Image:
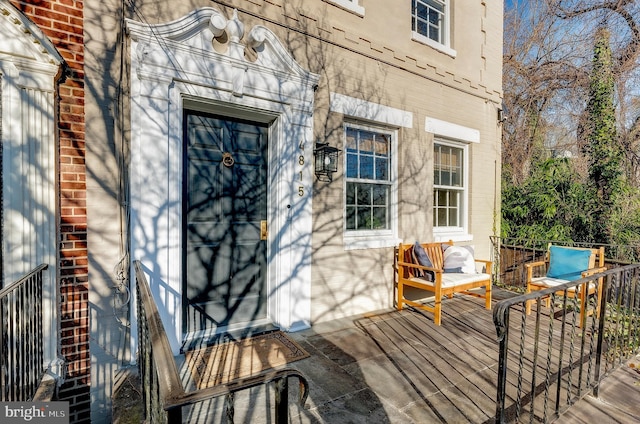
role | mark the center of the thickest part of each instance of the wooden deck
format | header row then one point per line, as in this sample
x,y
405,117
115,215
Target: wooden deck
x,y
394,367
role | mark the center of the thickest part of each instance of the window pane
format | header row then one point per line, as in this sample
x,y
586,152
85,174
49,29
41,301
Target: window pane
x,y
351,218
364,219
453,217
436,5
366,142
352,165
364,194
380,194
421,9
351,143
453,199
382,145
366,167
445,177
434,33
422,28
382,166
351,194
379,218
442,217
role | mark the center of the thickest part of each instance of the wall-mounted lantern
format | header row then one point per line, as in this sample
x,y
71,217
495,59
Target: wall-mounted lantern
x,y
326,160
502,114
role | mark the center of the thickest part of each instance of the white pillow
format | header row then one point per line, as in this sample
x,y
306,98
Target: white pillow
x,y
459,257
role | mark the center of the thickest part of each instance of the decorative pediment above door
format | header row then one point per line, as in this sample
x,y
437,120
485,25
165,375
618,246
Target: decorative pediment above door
x,y
207,33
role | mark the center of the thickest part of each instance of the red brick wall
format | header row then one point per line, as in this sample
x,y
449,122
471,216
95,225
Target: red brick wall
x,y
62,22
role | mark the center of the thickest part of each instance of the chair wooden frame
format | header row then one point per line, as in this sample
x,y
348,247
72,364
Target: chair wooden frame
x,y
596,265
443,285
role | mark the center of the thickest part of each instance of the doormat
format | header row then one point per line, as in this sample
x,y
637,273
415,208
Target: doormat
x,y
222,363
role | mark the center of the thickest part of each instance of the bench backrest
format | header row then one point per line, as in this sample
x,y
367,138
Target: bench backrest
x,y
434,250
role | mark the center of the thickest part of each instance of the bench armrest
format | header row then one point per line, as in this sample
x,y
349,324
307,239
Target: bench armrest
x,y
484,261
487,264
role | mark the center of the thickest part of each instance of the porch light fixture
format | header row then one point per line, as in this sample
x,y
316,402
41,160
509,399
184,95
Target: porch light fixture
x,y
326,161
502,113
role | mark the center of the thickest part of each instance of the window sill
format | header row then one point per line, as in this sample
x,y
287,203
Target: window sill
x,y
456,236
356,242
429,42
349,6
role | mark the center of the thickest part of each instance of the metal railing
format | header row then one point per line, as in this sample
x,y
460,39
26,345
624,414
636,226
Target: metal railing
x,y
549,359
21,337
163,393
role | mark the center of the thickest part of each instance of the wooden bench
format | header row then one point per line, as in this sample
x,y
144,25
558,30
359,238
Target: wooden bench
x,y
443,284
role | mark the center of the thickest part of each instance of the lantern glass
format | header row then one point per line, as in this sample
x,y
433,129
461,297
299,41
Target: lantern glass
x,y
326,160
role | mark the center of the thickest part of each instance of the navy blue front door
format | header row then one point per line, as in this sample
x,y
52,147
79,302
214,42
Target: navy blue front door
x,y
225,208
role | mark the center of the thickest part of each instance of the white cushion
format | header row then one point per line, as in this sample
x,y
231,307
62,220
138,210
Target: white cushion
x,y
548,281
455,279
460,257
553,282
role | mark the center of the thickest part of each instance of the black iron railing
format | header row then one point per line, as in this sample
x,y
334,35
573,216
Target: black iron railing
x,y
21,337
163,393
549,359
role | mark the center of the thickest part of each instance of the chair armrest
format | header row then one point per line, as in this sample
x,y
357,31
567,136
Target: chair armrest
x,y
535,264
530,267
593,271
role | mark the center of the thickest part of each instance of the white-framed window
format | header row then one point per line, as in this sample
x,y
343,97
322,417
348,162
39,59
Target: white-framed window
x,y
350,5
450,187
370,189
430,24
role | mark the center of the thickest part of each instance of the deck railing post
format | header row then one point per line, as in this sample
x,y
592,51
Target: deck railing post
x,y
229,408
282,398
501,321
600,343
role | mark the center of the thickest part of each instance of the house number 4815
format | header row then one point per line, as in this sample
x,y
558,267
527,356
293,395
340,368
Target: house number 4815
x,y
301,163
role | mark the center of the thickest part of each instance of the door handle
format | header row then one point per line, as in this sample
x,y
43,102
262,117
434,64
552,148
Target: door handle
x,y
263,230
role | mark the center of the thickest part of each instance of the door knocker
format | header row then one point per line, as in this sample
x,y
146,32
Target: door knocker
x,y
227,160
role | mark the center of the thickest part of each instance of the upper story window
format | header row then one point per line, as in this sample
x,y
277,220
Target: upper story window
x,y
428,18
430,24
350,5
449,187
